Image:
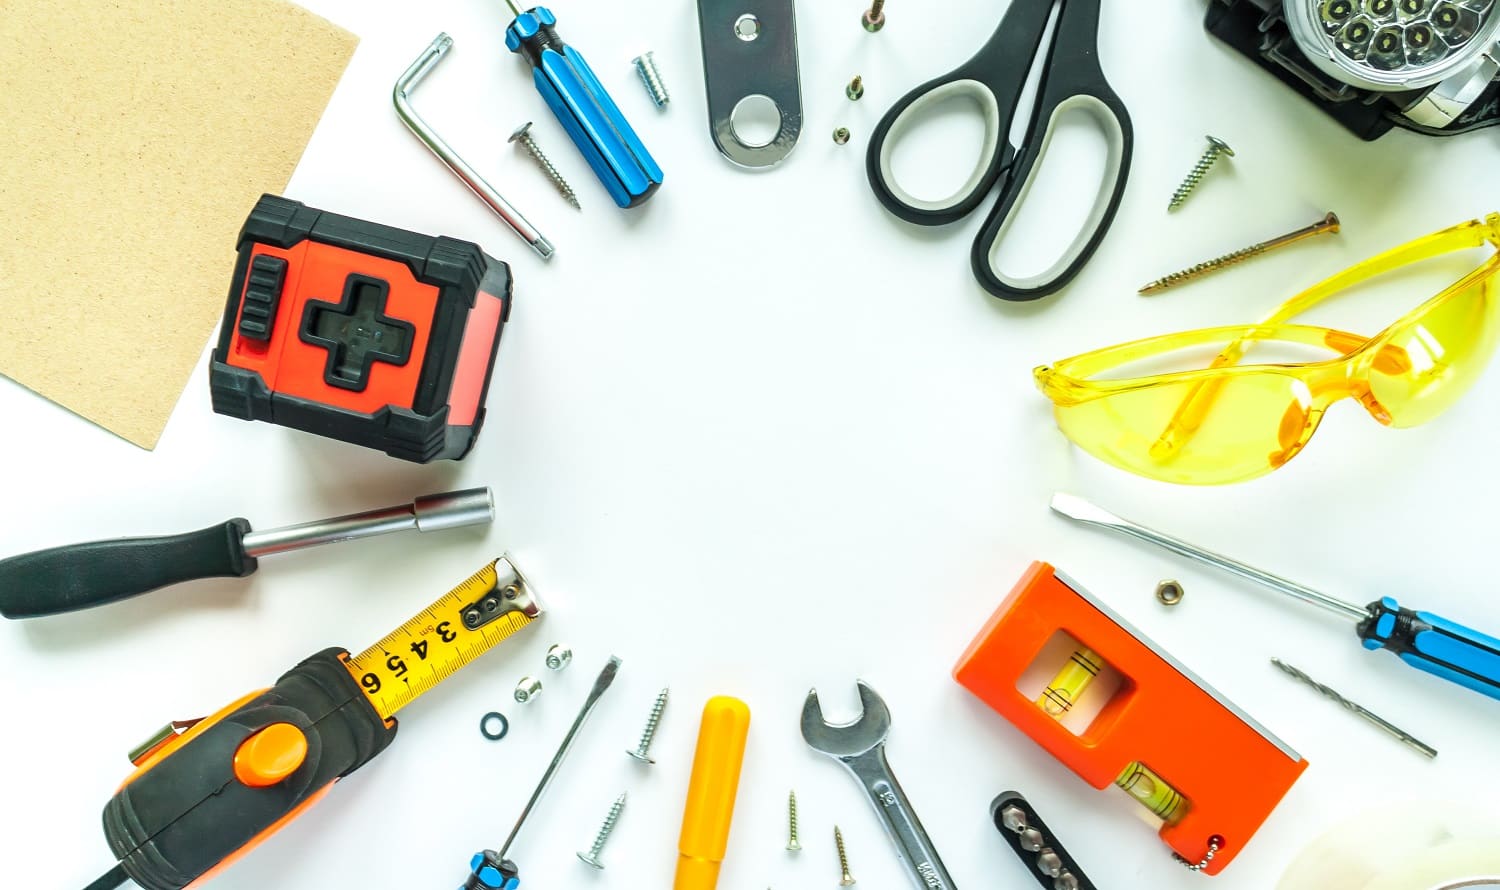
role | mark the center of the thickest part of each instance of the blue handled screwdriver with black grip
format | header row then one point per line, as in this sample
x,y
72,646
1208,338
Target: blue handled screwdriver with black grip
x,y
1423,640
583,107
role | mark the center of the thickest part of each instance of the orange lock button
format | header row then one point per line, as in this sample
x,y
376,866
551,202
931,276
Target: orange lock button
x,y
270,755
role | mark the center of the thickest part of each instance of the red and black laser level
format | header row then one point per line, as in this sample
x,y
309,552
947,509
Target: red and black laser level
x,y
360,332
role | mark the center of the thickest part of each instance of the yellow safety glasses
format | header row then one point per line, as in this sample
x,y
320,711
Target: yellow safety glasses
x,y
1228,422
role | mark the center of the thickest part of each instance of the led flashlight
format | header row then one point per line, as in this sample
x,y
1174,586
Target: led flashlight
x,y
1450,49
1430,66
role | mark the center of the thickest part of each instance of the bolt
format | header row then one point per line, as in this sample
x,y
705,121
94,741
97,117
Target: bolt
x,y
846,879
855,89
841,135
558,656
1329,224
523,136
528,689
645,65
605,830
1169,593
791,813
874,17
1216,147
649,732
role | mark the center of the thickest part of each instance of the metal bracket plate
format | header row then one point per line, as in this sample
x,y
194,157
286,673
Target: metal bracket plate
x,y
750,49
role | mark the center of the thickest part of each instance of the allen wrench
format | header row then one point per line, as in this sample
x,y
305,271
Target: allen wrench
x,y
401,96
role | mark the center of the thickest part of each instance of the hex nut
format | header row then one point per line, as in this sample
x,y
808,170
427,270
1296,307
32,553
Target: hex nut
x,y
1169,593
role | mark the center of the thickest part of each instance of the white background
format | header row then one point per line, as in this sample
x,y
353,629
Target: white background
x,y
758,436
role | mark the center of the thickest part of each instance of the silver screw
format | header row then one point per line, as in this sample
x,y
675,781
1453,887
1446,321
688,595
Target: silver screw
x,y
855,89
592,856
651,77
791,813
1216,147
846,879
649,732
528,689
558,656
1329,224
874,17
841,135
523,136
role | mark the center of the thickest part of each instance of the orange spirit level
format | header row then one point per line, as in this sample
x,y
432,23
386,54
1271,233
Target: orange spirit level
x,y
1207,770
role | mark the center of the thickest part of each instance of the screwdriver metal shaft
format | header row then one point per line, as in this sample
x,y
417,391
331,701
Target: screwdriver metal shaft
x,y
1390,728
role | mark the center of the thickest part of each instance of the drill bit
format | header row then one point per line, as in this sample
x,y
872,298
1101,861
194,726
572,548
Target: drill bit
x,y
1405,737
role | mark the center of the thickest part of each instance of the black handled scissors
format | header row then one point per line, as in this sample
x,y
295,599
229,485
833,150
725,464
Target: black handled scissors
x,y
1071,79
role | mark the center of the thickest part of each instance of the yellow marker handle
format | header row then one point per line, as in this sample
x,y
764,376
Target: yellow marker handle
x,y
711,793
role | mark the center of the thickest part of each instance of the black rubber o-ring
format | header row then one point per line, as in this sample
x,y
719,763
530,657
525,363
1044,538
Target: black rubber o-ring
x,y
484,726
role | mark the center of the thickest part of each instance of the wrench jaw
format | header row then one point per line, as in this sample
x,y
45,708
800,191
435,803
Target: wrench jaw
x,y
861,735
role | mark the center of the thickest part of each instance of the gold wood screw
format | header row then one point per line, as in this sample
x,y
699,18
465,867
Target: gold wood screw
x,y
846,879
1328,224
874,17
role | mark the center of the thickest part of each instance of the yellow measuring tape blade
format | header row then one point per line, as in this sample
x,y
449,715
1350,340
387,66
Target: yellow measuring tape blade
x,y
465,623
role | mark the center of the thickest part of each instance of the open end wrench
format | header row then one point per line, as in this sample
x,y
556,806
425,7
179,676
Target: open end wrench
x,y
860,747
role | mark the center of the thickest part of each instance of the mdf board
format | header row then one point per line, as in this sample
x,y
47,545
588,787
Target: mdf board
x,y
140,133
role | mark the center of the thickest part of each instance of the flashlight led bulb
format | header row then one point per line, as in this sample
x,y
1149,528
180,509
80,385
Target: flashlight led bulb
x,y
1394,45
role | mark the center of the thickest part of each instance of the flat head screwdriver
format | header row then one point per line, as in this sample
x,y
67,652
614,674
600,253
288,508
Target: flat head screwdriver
x,y
78,576
489,869
1423,640
583,107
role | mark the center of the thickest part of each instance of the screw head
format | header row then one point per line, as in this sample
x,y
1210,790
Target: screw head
x,y
872,24
794,846
586,858
846,882
841,135
520,132
1221,145
640,757
855,89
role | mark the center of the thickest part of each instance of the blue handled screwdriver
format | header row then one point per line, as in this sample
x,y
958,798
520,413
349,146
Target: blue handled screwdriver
x,y
489,869
583,107
1423,640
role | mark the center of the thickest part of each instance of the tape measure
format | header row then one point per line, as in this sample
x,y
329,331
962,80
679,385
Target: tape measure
x,y
207,791
465,623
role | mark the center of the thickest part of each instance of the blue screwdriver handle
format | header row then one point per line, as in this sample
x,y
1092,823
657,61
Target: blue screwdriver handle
x,y
1435,645
584,108
488,871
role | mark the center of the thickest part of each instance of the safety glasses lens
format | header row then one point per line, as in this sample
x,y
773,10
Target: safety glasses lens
x,y
1203,432
1438,356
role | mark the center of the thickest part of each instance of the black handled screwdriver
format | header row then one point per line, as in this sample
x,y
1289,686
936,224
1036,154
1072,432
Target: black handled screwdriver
x,y
79,576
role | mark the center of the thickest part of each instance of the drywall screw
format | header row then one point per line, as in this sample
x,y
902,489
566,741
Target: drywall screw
x,y
841,135
645,64
1216,147
1405,737
558,656
649,732
846,879
1327,225
1169,593
791,815
605,830
528,689
855,89
874,17
523,136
